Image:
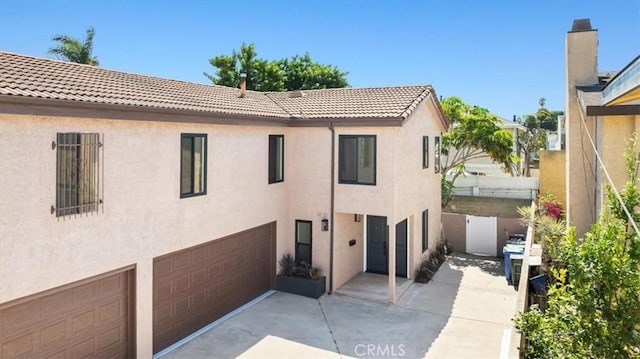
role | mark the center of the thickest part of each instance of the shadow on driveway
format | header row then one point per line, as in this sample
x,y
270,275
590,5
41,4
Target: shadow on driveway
x,y
428,317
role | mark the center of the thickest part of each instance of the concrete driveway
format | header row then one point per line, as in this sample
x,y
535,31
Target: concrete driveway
x,y
464,312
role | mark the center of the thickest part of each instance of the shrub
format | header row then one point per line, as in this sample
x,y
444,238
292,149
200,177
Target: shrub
x,y
429,266
594,305
289,268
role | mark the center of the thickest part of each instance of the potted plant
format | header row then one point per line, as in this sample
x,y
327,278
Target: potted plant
x,y
300,279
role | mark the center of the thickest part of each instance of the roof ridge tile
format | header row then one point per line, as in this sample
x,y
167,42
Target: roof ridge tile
x,y
26,75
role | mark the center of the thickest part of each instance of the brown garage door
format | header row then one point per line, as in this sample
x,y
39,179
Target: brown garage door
x,y
90,318
195,286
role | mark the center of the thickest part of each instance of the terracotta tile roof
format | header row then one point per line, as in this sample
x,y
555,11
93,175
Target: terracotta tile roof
x,y
29,76
376,102
45,78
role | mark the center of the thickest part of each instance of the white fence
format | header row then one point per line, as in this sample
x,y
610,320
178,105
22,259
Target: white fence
x,y
496,187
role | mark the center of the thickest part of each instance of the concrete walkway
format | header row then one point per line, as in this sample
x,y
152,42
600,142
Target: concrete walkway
x,y
462,313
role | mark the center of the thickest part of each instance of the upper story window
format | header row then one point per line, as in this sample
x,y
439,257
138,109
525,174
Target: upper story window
x,y
436,151
276,158
425,151
193,164
78,173
357,159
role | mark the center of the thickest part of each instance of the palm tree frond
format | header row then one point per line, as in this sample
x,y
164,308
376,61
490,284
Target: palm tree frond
x,y
74,50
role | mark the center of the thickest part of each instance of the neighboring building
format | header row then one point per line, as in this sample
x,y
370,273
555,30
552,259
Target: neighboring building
x,y
486,166
555,139
602,113
135,210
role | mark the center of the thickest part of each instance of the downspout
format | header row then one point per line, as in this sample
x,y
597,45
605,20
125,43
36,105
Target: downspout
x,y
332,222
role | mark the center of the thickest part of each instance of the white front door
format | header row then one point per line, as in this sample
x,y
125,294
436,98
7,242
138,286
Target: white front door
x,y
482,236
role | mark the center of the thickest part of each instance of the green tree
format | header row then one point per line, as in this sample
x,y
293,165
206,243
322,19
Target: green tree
x,y
530,141
594,305
296,73
75,50
261,74
301,73
474,133
546,119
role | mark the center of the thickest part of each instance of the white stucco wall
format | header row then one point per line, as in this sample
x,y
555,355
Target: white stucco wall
x,y
143,217
369,199
348,258
308,171
415,188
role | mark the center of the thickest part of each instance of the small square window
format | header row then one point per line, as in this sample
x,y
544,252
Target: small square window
x,y
193,165
357,159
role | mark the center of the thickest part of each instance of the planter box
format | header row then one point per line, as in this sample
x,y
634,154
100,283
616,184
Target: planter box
x,y
312,288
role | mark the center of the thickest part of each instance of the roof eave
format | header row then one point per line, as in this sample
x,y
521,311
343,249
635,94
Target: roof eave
x,y
436,103
348,122
38,106
55,107
618,110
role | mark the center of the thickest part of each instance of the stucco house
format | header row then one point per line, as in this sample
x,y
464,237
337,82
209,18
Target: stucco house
x,y
602,113
135,210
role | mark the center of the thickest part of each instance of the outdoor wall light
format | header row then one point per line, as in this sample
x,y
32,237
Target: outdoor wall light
x,y
324,225
357,217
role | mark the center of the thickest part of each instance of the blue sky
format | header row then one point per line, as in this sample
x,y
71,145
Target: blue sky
x,y
503,55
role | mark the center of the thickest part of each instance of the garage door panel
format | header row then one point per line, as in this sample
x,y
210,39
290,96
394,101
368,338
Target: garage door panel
x,y
113,312
63,323
180,283
198,277
19,346
58,355
84,349
111,338
84,294
203,283
54,334
162,266
180,260
198,255
56,303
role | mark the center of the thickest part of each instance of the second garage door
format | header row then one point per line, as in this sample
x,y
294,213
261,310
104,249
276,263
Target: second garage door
x,y
195,286
92,318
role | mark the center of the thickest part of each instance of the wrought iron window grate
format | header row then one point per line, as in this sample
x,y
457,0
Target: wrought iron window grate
x,y
78,173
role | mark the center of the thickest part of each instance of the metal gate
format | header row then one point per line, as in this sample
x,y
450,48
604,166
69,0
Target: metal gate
x,y
482,235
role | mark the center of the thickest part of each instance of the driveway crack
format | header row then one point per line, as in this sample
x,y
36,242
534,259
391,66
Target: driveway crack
x,y
324,315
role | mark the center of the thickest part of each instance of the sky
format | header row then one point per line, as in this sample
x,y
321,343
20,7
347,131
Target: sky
x,y
501,55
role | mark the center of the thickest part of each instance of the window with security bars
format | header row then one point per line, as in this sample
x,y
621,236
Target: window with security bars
x,y
78,174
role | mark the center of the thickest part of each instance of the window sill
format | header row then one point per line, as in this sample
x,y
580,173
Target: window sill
x,y
189,195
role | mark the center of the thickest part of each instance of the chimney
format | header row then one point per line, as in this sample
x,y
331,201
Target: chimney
x,y
296,94
581,54
243,84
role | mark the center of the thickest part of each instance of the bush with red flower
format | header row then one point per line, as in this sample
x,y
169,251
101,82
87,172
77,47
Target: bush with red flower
x,y
548,205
